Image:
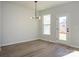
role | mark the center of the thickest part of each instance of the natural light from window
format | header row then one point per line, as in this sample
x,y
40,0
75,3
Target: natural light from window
x,y
62,28
72,54
46,24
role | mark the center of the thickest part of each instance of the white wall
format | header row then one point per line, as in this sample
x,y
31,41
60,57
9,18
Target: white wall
x,y
17,25
0,25
72,11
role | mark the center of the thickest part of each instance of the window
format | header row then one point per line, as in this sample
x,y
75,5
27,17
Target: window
x,y
62,28
46,24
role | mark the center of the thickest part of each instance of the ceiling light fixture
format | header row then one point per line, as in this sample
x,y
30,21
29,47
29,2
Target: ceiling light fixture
x,y
36,17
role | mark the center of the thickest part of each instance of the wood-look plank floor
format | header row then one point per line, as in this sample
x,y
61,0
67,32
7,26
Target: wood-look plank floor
x,y
37,48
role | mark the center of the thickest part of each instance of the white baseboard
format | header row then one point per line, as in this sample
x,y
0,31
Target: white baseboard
x,y
6,44
76,46
68,44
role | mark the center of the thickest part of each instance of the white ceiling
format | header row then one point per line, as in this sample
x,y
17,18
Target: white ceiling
x,y
41,4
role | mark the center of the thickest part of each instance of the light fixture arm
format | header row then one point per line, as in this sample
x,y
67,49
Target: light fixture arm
x,y
35,9
36,17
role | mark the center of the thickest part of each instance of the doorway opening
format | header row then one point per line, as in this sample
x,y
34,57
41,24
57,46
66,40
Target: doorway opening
x,y
63,28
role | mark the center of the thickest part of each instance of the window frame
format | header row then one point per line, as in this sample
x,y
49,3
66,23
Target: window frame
x,y
43,24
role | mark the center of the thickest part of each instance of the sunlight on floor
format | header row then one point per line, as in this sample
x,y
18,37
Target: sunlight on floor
x,y
73,54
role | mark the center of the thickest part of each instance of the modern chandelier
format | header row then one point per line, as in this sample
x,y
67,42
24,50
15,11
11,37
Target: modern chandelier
x,y
36,17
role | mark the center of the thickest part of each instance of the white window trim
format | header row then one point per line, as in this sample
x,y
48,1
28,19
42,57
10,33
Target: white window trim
x,y
46,24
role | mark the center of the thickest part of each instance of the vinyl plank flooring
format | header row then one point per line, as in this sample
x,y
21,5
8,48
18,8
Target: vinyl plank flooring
x,y
36,48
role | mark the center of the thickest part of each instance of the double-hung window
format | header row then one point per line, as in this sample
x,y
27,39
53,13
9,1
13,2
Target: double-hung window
x,y
46,24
